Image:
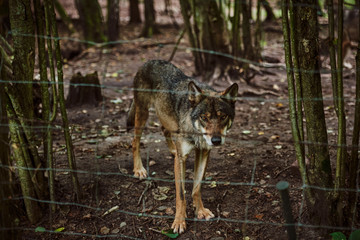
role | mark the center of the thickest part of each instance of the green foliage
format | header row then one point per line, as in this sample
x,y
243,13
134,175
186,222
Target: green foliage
x,y
40,229
350,3
340,236
169,233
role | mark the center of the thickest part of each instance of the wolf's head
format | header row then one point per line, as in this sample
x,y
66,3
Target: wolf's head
x,y
212,112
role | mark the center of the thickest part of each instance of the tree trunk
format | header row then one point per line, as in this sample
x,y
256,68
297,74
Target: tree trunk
x,y
7,208
49,7
22,26
270,16
150,27
216,49
134,11
113,20
246,33
192,31
319,171
91,20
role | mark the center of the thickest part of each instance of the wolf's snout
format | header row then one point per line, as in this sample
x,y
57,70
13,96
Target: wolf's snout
x,y
216,140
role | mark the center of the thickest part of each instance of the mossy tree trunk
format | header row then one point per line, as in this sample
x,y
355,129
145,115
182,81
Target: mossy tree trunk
x,y
319,170
91,20
7,208
328,204
20,108
149,27
22,28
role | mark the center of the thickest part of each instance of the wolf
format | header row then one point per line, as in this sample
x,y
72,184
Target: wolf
x,y
193,117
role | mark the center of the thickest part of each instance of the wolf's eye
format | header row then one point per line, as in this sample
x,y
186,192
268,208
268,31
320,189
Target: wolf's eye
x,y
204,118
223,117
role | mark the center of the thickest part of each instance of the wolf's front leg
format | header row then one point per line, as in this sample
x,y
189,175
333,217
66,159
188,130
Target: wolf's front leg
x,y
141,116
183,149
201,160
139,170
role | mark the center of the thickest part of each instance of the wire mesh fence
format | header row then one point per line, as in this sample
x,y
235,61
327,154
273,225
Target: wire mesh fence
x,y
240,186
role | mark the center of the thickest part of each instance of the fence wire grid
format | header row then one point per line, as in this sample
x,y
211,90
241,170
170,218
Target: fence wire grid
x,y
151,135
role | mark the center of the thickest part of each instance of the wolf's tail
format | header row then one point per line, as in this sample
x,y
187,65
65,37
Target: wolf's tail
x,y
131,117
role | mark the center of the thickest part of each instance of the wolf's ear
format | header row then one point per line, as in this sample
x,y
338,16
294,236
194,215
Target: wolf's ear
x,y
230,93
195,93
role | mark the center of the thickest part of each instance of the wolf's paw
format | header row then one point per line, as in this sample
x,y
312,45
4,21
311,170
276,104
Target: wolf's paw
x,y
204,213
179,225
140,173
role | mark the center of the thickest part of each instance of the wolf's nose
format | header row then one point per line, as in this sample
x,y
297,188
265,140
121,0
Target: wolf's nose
x,y
216,140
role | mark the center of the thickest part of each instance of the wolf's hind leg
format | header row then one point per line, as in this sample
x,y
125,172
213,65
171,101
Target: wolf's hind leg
x,y
141,115
169,140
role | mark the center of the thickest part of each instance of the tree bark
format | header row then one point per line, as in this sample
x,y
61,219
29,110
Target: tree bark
x,y
150,27
7,208
91,20
22,26
134,11
319,171
49,7
113,20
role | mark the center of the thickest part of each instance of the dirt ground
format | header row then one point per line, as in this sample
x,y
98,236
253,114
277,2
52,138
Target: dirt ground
x,y
240,181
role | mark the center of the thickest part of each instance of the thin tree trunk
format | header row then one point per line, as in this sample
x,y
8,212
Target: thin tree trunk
x,y
187,13
269,12
332,53
7,208
150,27
341,140
294,110
22,162
354,162
46,114
236,45
246,34
113,19
65,18
70,150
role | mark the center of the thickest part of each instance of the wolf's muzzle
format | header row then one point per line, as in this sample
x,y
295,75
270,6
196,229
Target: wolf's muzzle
x,y
216,140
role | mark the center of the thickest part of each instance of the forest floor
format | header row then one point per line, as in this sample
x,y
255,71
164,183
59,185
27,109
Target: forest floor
x,y
241,176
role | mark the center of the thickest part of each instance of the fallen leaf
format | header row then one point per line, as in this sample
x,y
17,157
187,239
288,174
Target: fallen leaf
x,y
111,210
279,105
169,172
104,230
170,233
116,101
169,211
225,214
87,216
275,137
60,229
259,216
246,132
40,229
213,184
